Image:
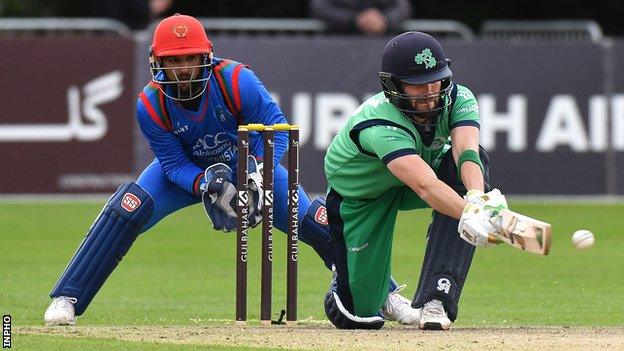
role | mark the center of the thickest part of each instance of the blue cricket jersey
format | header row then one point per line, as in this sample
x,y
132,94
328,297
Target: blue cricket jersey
x,y
186,142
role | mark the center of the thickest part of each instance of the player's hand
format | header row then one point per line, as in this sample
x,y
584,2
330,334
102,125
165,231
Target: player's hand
x,y
492,202
475,227
219,197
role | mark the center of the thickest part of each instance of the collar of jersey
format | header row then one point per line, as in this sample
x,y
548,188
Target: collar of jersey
x,y
198,115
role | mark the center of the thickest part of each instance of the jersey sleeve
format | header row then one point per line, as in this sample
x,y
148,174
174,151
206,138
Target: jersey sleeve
x,y
387,142
258,106
167,148
465,110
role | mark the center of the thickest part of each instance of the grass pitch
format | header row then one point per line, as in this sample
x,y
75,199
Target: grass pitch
x,y
175,288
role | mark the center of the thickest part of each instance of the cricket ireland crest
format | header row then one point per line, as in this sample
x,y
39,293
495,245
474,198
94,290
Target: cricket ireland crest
x,y
426,57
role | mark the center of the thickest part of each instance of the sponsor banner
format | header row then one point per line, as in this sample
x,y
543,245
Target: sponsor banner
x,y
67,118
548,122
615,73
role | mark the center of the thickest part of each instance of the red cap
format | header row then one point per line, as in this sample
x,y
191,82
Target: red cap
x,y
180,35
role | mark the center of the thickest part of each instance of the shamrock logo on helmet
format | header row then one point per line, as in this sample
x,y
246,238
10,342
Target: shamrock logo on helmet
x,y
426,57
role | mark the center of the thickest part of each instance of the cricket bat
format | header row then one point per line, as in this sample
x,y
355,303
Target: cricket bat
x,y
523,232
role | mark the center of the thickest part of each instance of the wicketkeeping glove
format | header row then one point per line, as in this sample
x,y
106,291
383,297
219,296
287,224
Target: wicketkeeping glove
x,y
219,197
475,227
255,191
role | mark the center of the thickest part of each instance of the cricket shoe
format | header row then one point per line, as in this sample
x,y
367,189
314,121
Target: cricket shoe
x,y
398,308
61,312
434,317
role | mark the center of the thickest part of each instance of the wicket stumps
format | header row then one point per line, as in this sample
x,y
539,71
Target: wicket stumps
x,y
242,225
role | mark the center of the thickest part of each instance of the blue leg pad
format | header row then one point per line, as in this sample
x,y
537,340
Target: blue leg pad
x,y
314,231
107,241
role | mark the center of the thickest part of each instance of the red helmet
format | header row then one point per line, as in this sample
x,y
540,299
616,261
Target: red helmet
x,y
180,35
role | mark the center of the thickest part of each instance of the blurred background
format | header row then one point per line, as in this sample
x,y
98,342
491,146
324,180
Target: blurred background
x,y
547,78
136,13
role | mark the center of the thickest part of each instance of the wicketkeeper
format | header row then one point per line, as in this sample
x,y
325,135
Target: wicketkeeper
x,y
413,145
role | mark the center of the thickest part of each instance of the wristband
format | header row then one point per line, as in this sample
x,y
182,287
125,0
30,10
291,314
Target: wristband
x,y
199,180
468,155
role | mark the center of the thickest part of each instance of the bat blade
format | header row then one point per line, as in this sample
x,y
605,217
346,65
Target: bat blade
x,y
525,233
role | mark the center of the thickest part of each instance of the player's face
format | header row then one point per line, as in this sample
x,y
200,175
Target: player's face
x,y
426,97
429,93
183,67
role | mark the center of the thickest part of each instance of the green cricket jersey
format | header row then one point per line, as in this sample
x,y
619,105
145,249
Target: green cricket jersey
x,y
377,132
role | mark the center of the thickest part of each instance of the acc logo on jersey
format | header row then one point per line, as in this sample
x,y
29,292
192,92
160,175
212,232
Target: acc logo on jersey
x,y
130,202
209,142
180,30
321,215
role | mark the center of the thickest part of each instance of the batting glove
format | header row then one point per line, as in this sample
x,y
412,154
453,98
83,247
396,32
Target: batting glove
x,y
475,227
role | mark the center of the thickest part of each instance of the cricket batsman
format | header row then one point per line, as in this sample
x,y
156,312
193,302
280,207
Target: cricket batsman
x,y
189,113
413,145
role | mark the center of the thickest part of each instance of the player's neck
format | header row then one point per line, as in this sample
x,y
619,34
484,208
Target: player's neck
x,y
193,104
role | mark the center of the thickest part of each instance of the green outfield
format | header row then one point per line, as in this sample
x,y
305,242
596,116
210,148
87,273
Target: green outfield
x,y
181,274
